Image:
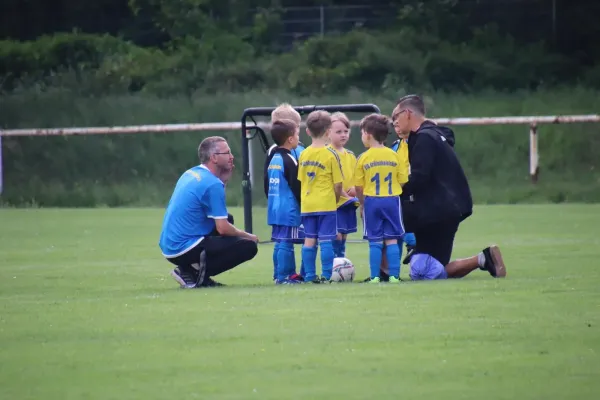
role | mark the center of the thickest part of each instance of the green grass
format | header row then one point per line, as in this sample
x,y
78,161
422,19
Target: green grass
x,y
87,311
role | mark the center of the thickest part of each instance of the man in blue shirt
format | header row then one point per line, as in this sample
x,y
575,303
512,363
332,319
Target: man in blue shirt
x,y
197,235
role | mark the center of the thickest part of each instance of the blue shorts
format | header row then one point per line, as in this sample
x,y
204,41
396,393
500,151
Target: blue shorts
x,y
346,219
287,234
424,267
322,227
382,218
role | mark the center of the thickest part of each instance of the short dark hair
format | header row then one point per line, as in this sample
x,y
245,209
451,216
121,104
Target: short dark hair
x,y
208,147
376,125
318,122
282,129
413,103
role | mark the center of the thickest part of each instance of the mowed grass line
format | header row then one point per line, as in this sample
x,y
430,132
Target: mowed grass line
x,y
87,310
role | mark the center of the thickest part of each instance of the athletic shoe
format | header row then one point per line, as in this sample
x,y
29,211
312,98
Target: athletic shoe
x,y
410,250
187,277
287,282
393,279
209,282
296,277
493,262
200,267
375,280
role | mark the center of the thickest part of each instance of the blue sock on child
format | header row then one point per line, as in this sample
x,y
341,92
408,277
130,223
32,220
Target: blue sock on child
x,y
275,252
327,257
337,248
343,248
375,255
392,251
309,259
284,260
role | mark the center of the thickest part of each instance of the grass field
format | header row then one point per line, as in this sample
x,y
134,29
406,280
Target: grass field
x,y
87,311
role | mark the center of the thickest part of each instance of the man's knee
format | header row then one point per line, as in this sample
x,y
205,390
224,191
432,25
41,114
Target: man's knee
x,y
426,267
247,249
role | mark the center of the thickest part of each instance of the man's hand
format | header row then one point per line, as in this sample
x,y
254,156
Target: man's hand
x,y
252,237
352,192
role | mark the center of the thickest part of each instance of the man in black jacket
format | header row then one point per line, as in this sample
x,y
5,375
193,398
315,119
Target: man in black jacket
x,y
436,198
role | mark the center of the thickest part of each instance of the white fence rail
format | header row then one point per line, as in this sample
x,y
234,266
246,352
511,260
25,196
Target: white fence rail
x,y
532,121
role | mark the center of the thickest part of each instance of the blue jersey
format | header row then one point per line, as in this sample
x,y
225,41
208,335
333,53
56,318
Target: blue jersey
x,y
198,199
296,152
283,195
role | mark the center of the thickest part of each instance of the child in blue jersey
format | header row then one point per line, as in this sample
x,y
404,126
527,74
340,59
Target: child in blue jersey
x,y
283,111
346,206
320,177
379,175
283,206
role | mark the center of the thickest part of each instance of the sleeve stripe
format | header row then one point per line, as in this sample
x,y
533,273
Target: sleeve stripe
x,y
213,217
337,157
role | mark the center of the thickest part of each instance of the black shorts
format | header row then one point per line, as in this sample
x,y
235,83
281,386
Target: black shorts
x,y
222,252
437,240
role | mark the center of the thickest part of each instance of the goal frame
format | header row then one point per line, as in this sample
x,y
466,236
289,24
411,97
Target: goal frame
x,y
249,132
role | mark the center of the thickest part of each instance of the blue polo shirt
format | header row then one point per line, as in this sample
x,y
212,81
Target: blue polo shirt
x,y
198,199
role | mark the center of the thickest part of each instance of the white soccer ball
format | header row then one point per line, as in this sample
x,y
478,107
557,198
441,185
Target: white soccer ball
x,y
343,270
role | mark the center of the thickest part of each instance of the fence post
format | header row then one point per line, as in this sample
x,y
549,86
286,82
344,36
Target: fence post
x,y
1,170
534,158
322,19
250,158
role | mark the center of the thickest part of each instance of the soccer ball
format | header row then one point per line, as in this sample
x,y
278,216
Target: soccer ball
x,y
343,270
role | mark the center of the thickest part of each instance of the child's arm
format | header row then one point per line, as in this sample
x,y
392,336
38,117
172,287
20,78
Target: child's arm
x,y
337,177
290,172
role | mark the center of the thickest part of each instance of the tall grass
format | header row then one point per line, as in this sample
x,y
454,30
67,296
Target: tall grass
x,y
121,170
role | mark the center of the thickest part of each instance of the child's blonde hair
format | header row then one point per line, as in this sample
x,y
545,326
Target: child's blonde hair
x,y
285,111
340,116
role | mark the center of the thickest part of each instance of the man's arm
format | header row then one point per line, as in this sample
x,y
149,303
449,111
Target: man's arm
x,y
421,168
214,201
226,229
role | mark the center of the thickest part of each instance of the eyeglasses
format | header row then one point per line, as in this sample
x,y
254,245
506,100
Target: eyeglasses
x,y
395,120
228,153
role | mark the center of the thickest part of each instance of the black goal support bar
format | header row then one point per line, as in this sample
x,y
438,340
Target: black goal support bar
x,y
250,113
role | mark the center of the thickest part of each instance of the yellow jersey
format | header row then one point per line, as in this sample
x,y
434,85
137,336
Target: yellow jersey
x,y
381,172
348,163
318,170
403,153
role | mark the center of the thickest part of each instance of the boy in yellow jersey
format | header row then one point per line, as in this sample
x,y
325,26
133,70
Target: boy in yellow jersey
x,y
347,204
379,175
320,176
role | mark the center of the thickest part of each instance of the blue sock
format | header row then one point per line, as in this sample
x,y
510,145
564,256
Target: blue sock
x,y
343,248
337,248
284,256
327,259
309,259
302,270
375,255
275,251
392,251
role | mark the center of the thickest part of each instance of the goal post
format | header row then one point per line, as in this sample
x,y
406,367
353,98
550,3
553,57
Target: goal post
x,y
251,130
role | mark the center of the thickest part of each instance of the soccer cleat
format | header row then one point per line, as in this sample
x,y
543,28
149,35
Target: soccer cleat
x,y
493,262
186,277
375,280
410,250
393,279
296,277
